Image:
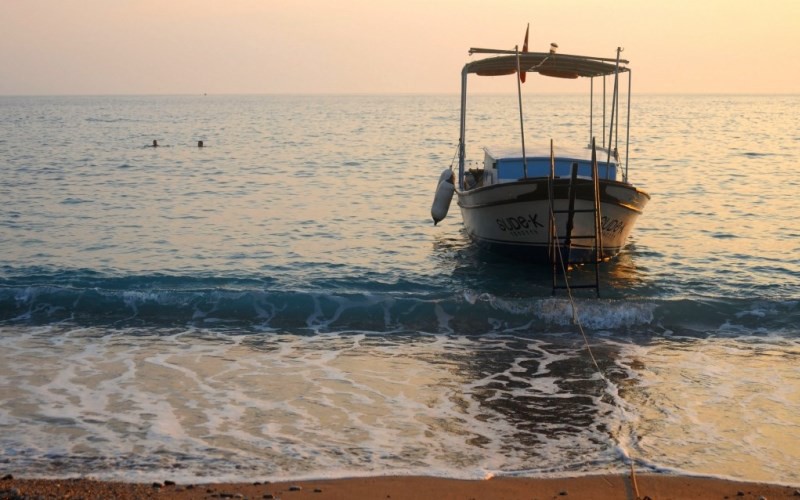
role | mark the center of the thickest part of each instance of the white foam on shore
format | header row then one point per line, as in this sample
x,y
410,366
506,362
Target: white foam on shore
x,y
197,405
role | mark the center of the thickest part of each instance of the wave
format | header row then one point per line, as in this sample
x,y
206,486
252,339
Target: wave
x,y
256,305
102,119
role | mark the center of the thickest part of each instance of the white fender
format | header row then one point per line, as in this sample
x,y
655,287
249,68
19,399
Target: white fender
x,y
444,194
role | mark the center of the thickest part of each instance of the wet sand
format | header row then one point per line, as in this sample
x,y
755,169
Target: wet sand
x,y
601,487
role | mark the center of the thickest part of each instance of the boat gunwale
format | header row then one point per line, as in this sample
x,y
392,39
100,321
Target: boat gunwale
x,y
514,202
536,180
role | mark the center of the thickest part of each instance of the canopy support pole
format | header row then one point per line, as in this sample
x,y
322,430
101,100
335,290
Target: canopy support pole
x,y
462,131
614,105
521,126
591,108
628,126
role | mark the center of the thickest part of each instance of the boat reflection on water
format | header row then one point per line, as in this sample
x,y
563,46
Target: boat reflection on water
x,y
481,269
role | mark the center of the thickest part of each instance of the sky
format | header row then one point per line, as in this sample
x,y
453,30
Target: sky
x,y
97,47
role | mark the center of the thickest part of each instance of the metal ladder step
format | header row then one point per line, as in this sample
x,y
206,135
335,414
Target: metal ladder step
x,y
561,245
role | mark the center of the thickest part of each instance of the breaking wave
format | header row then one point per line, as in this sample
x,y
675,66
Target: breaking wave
x,y
258,305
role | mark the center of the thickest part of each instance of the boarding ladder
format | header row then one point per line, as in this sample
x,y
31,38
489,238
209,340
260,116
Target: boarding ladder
x,y
561,245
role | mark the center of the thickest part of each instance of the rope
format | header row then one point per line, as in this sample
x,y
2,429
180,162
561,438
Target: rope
x,y
453,161
576,320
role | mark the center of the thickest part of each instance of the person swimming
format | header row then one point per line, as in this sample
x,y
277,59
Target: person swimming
x,y
155,143
199,144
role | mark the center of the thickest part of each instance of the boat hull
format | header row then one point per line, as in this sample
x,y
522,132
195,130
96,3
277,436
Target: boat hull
x,y
513,218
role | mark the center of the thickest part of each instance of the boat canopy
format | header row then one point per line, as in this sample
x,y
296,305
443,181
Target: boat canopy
x,y
509,62
545,63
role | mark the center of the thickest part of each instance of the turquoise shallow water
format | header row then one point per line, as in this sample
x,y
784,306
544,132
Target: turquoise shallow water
x,y
279,304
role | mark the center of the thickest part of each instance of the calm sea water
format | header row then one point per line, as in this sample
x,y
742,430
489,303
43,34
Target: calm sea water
x,y
279,304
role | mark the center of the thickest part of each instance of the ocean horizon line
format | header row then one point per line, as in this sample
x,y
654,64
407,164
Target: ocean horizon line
x,y
385,94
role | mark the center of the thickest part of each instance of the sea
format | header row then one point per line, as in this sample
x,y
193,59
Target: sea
x,y
279,305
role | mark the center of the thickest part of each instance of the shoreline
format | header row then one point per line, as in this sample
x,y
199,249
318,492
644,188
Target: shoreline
x,y
598,487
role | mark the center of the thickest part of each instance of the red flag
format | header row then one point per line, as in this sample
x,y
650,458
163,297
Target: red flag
x,y
524,49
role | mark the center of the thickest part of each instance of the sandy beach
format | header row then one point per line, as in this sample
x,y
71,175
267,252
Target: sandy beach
x,y
600,487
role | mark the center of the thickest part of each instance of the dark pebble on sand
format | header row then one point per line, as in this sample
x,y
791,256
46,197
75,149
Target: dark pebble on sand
x,y
317,490
169,483
563,493
157,485
8,477
12,494
295,488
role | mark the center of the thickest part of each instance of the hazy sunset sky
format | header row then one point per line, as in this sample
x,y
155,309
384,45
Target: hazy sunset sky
x,y
382,46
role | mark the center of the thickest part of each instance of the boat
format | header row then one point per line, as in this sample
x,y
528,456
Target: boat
x,y
571,202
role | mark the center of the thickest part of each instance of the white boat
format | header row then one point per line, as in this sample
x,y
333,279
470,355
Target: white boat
x,y
572,201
